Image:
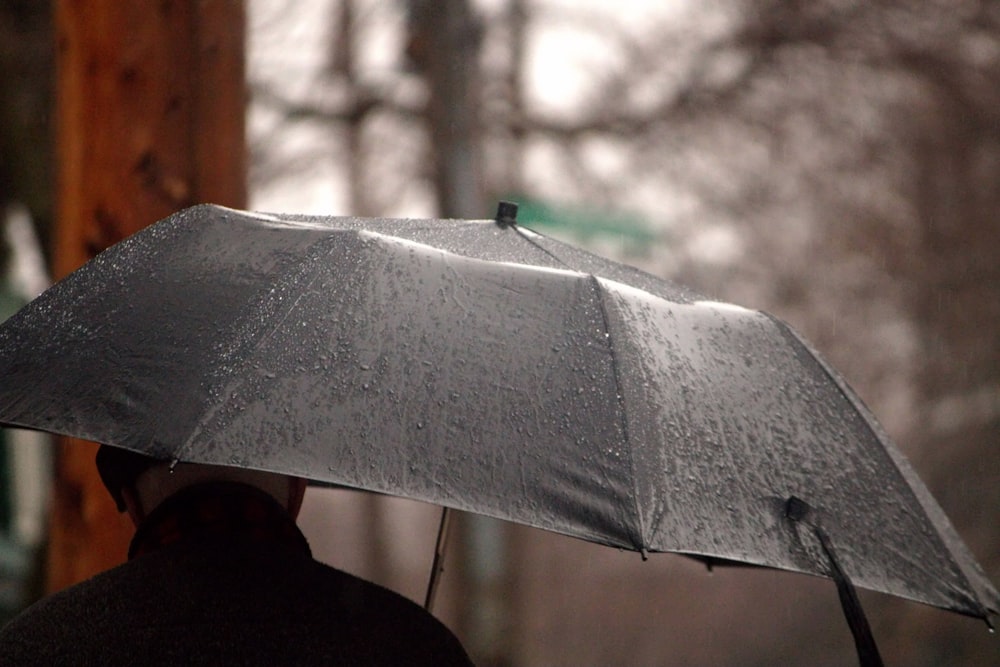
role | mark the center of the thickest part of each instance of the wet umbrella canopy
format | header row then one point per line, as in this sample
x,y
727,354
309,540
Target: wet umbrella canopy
x,y
483,367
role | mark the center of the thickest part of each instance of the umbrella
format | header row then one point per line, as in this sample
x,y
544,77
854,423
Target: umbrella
x,y
487,368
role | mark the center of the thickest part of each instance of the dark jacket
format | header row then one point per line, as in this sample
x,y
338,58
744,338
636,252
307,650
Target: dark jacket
x,y
229,597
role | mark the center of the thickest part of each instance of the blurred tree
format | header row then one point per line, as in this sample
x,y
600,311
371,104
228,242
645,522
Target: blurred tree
x,y
854,148
25,100
833,161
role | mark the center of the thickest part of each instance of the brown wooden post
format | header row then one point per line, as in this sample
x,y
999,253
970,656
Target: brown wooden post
x,y
150,101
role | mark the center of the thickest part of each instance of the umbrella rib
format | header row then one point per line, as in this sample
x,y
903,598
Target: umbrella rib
x,y
638,540
523,234
259,340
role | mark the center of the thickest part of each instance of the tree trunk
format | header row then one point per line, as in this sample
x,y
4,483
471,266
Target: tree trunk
x,y
150,119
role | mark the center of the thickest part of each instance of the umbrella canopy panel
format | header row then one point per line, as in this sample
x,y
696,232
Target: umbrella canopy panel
x,y
487,369
741,418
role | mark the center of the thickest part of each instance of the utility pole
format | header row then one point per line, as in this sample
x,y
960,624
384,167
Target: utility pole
x,y
150,106
444,44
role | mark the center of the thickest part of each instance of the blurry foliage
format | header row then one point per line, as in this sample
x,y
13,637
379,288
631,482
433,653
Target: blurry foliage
x,y
26,94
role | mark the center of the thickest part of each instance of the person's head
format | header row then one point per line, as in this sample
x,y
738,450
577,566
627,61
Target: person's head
x,y
139,483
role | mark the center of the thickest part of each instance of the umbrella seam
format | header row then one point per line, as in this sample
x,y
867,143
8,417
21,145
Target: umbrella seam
x,y
599,290
637,539
539,246
260,340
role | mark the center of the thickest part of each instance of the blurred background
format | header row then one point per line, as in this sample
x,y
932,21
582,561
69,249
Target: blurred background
x,y
834,162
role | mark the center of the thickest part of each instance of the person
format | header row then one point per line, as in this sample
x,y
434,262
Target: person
x,y
218,573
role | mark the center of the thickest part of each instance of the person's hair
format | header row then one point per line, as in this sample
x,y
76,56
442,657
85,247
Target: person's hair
x,y
119,468
152,480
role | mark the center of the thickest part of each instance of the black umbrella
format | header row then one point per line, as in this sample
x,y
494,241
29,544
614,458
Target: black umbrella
x,y
483,367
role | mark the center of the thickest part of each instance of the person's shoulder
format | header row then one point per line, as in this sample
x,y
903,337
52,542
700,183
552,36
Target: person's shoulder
x,y
59,626
386,616
275,602
72,601
360,597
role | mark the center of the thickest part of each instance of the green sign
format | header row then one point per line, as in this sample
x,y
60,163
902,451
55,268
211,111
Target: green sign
x,y
584,223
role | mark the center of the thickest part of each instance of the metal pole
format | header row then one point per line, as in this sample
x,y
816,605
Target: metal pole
x,y
437,567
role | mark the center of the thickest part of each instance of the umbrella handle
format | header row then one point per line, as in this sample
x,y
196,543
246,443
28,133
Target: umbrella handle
x,y
798,510
864,641
437,567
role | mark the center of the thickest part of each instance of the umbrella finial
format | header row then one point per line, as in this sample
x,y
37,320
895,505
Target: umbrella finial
x,y
506,214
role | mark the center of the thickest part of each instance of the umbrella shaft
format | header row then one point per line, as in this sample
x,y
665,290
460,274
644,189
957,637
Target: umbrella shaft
x,y
437,567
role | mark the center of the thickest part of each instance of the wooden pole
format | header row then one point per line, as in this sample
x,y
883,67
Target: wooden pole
x,y
150,100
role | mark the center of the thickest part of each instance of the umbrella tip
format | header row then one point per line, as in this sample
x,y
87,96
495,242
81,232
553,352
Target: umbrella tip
x,y
506,214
